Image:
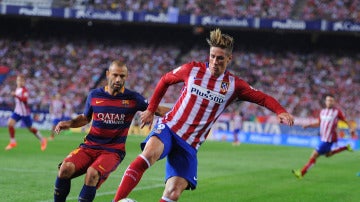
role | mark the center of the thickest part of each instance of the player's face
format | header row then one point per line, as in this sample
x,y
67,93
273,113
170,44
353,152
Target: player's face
x,y
218,61
329,101
116,78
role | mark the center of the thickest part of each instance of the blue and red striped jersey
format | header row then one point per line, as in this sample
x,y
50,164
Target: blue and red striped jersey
x,y
111,118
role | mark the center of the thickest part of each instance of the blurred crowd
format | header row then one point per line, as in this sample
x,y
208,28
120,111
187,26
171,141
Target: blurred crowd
x,y
72,67
277,9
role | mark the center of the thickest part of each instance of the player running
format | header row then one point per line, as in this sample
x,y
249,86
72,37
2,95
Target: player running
x,y
208,89
328,121
111,109
22,112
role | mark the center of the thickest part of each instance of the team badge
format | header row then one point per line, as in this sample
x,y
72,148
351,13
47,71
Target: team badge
x,y
224,87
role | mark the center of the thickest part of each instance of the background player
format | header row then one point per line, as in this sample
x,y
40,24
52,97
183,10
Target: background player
x,y
237,118
56,110
209,89
111,109
22,112
328,121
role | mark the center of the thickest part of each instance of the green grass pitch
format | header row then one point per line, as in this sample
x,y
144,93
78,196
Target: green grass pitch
x,y
255,173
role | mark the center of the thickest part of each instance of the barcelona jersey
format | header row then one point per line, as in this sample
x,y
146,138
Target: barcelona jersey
x,y
111,118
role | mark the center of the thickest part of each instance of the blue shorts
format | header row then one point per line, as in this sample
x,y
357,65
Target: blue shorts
x,y
56,121
181,157
25,119
324,147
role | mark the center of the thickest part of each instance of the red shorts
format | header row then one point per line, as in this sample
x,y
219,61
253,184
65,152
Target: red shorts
x,y
103,161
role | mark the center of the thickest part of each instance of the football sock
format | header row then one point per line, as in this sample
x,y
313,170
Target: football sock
x,y
340,149
62,189
309,164
131,177
87,194
12,132
36,133
165,199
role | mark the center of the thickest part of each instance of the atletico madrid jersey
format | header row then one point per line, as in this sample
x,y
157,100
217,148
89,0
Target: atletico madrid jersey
x,y
21,102
111,118
329,118
203,98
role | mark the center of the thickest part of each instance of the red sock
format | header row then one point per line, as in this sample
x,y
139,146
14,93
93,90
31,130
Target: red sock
x,y
12,132
340,149
131,177
308,166
33,130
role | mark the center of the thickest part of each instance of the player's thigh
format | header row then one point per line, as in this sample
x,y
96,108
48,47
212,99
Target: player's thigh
x,y
81,158
107,162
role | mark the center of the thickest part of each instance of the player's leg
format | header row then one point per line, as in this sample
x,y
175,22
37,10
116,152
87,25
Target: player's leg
x,y
98,172
11,127
339,149
156,146
75,164
181,170
54,123
311,162
28,122
173,188
132,176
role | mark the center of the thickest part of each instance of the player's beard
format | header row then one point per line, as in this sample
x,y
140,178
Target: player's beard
x,y
116,87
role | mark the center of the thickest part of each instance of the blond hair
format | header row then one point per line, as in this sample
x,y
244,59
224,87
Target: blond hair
x,y
218,39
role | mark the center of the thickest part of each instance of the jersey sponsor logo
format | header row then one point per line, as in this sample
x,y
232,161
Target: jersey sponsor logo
x,y
207,94
111,118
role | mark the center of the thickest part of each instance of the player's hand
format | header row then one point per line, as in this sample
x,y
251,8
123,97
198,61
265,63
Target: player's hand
x,y
286,118
146,118
62,125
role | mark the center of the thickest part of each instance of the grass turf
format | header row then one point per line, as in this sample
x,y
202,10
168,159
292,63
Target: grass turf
x,y
226,173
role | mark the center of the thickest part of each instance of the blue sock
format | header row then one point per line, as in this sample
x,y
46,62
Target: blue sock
x,y
62,189
87,194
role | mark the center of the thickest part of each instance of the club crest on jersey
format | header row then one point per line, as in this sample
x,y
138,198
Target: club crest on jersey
x,y
125,102
224,87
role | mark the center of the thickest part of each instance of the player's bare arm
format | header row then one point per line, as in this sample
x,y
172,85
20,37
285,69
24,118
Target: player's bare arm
x,y
146,118
80,120
286,118
161,111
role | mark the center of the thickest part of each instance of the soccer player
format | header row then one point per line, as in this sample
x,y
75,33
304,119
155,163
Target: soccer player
x,y
328,121
208,89
22,112
111,109
237,119
56,110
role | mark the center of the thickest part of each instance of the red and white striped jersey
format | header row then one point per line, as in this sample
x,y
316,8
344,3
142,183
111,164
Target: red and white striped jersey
x,y
329,118
57,108
21,97
202,100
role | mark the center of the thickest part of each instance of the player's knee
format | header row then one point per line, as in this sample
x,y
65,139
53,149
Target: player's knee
x,y
92,176
66,170
173,193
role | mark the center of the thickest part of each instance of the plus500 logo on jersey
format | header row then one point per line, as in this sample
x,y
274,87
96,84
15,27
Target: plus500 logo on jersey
x,y
207,94
111,118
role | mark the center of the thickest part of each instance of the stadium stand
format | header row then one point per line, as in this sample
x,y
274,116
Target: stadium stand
x,y
73,65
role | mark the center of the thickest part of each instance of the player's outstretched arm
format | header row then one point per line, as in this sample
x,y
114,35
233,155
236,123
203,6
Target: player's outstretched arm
x,y
80,120
286,118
